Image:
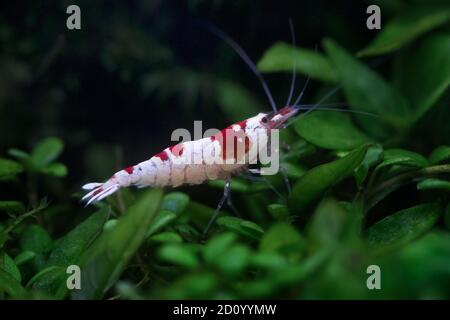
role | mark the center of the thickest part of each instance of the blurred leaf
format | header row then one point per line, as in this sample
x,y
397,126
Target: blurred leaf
x,y
181,255
235,101
110,224
162,219
8,265
12,206
24,257
405,225
278,211
423,73
68,249
440,154
55,169
268,260
36,239
372,157
242,227
17,221
19,154
46,151
175,202
293,170
193,286
217,246
317,180
283,238
419,270
233,260
409,25
10,285
330,130
165,237
403,157
105,260
326,226
9,169
433,184
48,279
283,57
366,91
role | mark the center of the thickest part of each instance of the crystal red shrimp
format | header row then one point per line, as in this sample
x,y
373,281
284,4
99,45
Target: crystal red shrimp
x,y
174,166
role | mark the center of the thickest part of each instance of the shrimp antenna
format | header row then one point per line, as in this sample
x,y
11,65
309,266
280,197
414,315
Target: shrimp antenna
x,y
299,98
244,56
294,67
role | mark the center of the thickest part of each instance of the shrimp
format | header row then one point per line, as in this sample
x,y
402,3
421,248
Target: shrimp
x,y
176,166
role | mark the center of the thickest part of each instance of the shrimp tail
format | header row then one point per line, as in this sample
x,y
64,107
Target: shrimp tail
x,y
99,191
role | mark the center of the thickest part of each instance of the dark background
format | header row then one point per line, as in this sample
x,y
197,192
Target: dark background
x,y
91,87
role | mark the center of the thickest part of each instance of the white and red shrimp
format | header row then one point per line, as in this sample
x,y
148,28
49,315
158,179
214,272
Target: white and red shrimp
x,y
174,166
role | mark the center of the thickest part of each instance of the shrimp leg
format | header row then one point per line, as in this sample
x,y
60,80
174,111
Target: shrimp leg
x,y
225,197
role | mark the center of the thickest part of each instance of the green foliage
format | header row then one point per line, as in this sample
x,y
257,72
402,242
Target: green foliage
x,y
368,187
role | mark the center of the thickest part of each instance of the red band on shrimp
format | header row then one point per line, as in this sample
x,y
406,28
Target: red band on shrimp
x,y
177,150
234,144
129,170
162,155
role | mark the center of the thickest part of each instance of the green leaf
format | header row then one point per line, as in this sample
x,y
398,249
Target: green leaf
x,y
283,238
9,169
234,260
366,91
283,57
402,157
46,151
24,257
15,207
268,260
181,255
433,184
293,170
36,239
372,157
55,169
110,224
409,25
19,154
243,227
440,154
165,237
423,73
107,257
49,279
8,265
162,219
405,225
330,130
319,179
326,226
10,285
68,249
217,246
278,211
175,202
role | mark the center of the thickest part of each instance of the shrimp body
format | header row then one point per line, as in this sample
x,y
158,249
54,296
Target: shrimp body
x,y
194,162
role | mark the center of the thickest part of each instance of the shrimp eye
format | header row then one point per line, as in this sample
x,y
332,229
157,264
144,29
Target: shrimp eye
x,y
264,120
